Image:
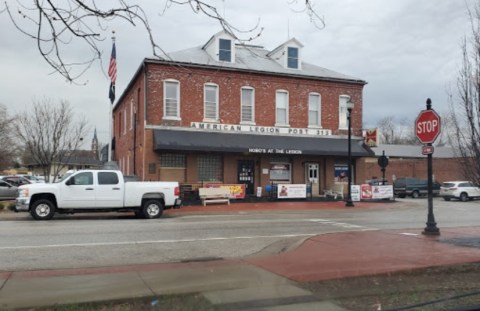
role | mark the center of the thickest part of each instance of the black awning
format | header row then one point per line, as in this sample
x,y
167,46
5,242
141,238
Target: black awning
x,y
168,139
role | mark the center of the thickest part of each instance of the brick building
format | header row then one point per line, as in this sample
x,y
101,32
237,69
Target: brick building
x,y
408,161
238,114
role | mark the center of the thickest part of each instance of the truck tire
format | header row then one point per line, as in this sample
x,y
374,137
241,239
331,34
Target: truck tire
x,y
415,194
152,209
42,209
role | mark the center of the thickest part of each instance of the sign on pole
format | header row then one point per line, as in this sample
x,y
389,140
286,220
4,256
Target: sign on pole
x,y
427,126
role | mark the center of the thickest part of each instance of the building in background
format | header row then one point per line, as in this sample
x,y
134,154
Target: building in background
x,y
238,114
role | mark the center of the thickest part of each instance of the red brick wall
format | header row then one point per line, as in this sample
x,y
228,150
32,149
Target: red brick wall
x,y
192,82
443,169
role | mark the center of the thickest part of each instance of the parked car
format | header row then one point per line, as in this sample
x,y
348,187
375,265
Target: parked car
x,y
409,186
7,191
16,180
461,190
33,179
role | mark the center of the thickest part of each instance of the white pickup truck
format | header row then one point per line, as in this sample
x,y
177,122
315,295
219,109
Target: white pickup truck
x,y
97,191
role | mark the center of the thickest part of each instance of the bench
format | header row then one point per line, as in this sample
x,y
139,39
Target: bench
x,y
336,191
214,195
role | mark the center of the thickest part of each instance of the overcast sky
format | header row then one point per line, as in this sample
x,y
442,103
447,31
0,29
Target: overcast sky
x,y
407,51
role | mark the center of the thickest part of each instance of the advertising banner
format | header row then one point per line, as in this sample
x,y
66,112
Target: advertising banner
x,y
237,191
355,193
368,192
292,191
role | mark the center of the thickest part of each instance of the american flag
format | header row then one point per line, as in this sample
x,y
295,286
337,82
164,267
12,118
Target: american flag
x,y
112,73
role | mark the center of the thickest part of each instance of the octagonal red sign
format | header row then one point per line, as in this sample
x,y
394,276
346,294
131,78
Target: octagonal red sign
x,y
427,126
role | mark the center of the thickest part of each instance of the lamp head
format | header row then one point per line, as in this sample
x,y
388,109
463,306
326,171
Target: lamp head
x,y
350,104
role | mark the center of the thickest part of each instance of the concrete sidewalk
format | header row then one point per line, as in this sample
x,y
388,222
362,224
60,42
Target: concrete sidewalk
x,y
268,282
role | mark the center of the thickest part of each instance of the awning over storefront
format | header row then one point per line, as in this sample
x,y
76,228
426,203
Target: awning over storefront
x,y
168,139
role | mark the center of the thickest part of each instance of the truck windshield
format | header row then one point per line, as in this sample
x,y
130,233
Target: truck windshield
x,y
65,176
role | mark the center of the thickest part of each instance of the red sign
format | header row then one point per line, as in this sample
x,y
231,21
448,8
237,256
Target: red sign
x,y
427,150
371,137
427,126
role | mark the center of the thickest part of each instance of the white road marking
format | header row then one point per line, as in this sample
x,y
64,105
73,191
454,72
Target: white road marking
x,y
156,241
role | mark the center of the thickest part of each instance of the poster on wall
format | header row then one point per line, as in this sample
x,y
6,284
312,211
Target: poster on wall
x,y
280,171
341,173
292,191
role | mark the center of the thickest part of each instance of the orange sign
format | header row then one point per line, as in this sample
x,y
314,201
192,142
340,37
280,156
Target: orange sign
x,y
237,191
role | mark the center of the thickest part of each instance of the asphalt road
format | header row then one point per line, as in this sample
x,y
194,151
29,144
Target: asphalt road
x,y
81,241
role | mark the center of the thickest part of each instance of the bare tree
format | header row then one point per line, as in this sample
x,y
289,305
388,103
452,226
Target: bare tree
x,y
50,135
55,25
8,148
465,102
393,132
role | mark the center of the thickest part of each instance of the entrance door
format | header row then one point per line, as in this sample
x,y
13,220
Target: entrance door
x,y
246,169
311,175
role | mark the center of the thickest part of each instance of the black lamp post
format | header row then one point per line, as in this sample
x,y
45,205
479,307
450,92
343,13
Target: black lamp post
x,y
349,202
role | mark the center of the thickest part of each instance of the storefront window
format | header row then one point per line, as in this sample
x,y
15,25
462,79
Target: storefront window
x,y
172,160
210,168
280,171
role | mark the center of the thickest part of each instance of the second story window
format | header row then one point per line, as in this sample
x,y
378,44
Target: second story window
x,y
248,105
171,99
225,50
342,112
314,110
292,61
211,102
281,102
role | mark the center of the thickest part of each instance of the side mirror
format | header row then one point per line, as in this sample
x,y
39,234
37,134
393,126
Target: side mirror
x,y
69,182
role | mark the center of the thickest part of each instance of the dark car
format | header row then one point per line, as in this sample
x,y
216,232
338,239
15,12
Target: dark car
x,y
7,191
16,180
409,186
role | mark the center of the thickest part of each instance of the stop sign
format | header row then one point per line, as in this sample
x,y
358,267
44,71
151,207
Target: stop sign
x,y
427,126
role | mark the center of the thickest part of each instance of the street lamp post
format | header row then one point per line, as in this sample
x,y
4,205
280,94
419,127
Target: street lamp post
x,y
349,202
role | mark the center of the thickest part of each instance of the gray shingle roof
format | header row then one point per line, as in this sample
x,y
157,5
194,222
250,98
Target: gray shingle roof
x,y
254,58
408,151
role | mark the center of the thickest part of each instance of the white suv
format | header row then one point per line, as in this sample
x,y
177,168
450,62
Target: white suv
x,y
462,190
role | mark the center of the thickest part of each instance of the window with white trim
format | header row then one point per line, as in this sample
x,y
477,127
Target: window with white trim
x,y
342,112
225,50
131,114
314,110
211,102
292,57
171,99
281,104
248,105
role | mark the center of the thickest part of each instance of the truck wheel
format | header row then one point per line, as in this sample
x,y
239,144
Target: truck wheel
x,y
42,210
463,197
415,194
152,209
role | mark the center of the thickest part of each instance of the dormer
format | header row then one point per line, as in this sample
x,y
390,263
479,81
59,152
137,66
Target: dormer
x,y
288,55
221,47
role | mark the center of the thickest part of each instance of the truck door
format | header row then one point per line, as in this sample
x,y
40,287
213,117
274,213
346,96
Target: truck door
x,y
109,191
79,191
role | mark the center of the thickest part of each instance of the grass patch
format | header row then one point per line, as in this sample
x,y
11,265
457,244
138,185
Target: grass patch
x,y
161,303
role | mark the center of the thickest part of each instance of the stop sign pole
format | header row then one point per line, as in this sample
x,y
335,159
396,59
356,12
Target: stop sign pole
x,y
427,129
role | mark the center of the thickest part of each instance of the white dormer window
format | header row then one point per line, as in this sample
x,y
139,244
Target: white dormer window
x,y
292,60
221,47
288,55
225,50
